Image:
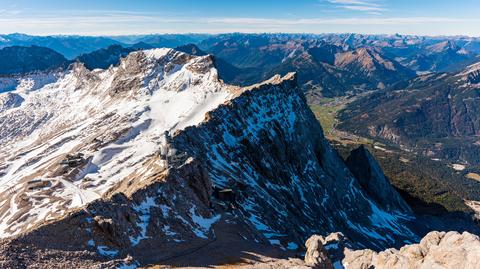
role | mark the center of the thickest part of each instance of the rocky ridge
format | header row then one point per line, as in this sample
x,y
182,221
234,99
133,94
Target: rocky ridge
x,y
124,203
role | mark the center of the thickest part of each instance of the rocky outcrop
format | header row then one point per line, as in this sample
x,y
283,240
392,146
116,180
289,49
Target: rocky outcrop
x,y
370,176
450,250
316,256
10,100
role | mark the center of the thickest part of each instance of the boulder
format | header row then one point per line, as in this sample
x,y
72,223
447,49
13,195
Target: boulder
x,y
316,255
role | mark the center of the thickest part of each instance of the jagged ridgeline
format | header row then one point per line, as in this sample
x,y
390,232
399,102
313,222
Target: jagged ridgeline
x,y
142,162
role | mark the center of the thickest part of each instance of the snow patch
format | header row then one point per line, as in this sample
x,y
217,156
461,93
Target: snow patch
x,y
458,167
107,252
203,224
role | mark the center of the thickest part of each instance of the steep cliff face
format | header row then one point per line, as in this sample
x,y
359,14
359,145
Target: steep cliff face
x,y
289,182
161,179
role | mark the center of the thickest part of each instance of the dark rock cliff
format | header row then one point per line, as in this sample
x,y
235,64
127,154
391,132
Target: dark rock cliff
x,y
370,176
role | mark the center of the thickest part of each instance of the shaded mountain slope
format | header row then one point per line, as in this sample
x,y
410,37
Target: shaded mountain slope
x,y
104,58
20,60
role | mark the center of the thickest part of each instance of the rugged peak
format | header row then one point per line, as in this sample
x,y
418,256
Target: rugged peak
x,y
447,45
366,58
370,176
289,81
191,49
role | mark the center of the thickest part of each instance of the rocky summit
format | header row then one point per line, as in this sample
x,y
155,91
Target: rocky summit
x,y
157,161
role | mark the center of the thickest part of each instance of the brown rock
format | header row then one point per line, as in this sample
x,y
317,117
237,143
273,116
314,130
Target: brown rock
x,y
316,256
436,250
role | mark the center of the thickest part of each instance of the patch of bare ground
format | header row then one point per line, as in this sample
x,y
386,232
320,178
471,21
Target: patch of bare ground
x,y
473,176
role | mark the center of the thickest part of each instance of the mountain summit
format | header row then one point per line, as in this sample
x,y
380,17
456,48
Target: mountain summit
x,y
144,161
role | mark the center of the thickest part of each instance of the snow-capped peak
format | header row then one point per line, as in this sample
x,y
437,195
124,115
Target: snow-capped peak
x,y
116,118
157,53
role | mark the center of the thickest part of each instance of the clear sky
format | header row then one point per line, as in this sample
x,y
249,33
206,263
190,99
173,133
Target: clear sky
x,y
118,17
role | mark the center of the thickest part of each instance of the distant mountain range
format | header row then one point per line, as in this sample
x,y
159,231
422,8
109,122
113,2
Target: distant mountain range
x,y
331,65
73,46
327,65
69,46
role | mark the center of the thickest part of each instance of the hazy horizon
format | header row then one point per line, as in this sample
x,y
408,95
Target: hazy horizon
x,y
243,33
109,17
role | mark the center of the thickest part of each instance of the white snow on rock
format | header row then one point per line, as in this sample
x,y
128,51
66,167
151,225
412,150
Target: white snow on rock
x,y
116,117
203,224
28,82
458,167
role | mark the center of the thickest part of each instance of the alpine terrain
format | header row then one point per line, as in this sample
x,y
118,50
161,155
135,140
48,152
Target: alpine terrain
x,y
157,158
135,156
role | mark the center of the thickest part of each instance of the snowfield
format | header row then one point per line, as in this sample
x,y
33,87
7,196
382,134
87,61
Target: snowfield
x,y
117,118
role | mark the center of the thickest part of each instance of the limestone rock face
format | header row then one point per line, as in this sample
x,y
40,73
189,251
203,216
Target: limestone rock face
x,y
316,256
436,250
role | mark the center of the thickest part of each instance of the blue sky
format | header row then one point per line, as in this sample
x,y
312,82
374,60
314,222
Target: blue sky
x,y
118,17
